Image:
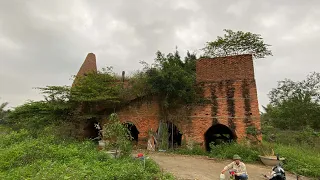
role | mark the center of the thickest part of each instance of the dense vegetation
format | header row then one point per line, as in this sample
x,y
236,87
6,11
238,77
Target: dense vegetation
x,y
294,105
48,157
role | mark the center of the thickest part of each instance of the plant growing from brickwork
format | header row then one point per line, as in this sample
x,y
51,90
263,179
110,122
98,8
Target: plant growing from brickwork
x,y
171,79
236,43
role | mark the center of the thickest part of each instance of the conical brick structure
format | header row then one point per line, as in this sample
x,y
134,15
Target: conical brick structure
x,y
89,65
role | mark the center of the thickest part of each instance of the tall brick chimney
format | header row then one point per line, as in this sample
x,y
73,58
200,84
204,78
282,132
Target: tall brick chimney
x,y
89,65
229,82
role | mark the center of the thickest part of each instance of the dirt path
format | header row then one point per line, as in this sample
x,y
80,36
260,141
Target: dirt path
x,y
202,168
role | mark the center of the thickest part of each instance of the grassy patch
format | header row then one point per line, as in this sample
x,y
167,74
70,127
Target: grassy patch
x,y
226,151
300,160
25,157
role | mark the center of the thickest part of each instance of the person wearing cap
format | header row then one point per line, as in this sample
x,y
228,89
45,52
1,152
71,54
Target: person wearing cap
x,y
239,168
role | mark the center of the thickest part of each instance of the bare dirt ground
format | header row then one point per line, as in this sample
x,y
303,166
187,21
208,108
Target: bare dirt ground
x,y
201,168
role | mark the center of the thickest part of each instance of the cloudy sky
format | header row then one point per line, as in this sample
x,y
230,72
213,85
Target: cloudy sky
x,y
45,42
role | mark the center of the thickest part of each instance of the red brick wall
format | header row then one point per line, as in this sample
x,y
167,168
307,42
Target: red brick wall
x,y
218,77
144,114
225,68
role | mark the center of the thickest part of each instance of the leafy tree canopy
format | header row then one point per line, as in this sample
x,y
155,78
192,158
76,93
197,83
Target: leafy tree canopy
x,y
236,43
171,78
294,105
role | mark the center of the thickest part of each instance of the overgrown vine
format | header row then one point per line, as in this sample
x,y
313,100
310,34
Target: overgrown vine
x,y
214,106
231,105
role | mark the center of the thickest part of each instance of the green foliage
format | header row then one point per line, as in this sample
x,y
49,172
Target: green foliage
x,y
3,112
46,157
195,150
172,79
252,130
98,86
227,150
306,137
164,136
236,43
294,104
300,160
117,136
34,115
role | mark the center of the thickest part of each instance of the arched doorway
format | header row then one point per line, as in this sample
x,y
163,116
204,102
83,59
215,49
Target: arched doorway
x,y
91,131
133,131
175,136
218,134
171,134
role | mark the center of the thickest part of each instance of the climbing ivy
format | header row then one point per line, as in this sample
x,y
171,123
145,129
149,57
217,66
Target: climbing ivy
x,y
214,106
231,105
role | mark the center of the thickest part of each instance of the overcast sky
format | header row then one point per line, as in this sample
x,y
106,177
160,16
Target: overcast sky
x,y
45,42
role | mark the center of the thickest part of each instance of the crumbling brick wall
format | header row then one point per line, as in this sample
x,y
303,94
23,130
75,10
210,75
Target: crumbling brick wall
x,y
229,87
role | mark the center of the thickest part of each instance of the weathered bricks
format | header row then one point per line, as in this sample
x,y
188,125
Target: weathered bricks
x,y
220,77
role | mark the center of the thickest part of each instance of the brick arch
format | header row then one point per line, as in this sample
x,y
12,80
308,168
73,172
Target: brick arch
x,y
218,133
133,128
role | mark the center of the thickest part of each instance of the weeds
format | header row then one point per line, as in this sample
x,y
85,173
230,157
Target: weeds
x,y
25,157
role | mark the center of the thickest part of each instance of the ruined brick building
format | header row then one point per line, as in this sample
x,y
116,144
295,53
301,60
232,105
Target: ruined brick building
x,y
231,111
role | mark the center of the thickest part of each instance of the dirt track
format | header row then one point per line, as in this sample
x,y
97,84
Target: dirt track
x,y
202,168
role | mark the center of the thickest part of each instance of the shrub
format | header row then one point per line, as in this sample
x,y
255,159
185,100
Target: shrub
x,y
226,151
117,136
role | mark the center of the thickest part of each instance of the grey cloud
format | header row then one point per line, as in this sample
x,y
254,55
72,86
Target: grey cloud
x,y
45,42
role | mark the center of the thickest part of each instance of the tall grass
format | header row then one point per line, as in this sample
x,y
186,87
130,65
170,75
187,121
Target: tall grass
x,y
300,160
226,151
47,157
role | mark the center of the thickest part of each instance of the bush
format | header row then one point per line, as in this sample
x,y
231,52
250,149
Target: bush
x,y
25,157
226,151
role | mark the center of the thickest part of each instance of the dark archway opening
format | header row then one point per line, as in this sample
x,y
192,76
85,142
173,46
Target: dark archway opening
x,y
91,131
218,134
175,136
133,131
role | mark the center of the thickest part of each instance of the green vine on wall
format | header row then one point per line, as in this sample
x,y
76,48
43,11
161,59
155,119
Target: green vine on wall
x,y
246,98
231,105
214,106
251,130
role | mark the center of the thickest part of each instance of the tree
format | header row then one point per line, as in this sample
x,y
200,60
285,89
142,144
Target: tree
x,y
236,43
117,136
294,105
172,79
92,95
